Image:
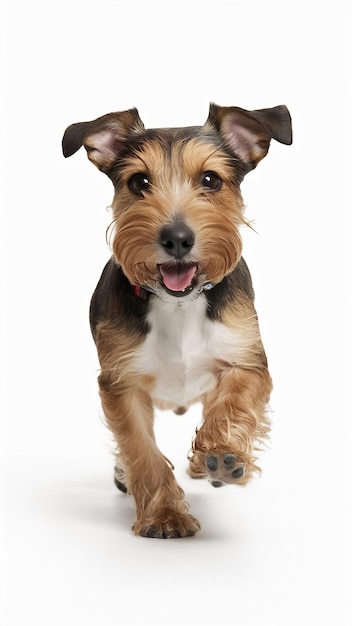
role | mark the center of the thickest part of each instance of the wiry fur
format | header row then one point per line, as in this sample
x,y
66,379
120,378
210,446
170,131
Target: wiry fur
x,y
172,348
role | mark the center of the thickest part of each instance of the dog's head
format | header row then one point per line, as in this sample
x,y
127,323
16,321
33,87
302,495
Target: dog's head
x,y
177,206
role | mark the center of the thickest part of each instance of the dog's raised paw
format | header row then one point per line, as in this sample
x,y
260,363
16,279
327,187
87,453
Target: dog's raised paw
x,y
223,469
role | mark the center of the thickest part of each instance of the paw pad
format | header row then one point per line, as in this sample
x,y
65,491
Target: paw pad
x,y
223,469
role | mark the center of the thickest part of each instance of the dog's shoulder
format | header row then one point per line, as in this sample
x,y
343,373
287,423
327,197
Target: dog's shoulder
x,y
237,284
114,301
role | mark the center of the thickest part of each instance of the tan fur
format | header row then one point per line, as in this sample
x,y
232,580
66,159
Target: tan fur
x,y
235,419
235,413
175,194
128,409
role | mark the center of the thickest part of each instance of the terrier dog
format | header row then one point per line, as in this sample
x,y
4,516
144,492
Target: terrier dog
x,y
173,314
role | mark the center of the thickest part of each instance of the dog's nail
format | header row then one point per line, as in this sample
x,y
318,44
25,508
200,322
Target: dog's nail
x,y
212,463
229,460
238,473
217,483
151,531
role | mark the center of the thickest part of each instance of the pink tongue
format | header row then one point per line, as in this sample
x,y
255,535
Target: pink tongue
x,y
177,277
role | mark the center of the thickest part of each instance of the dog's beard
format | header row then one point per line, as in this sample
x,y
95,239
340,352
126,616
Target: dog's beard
x,y
176,278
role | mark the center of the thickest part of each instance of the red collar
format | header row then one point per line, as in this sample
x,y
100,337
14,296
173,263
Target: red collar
x,y
140,292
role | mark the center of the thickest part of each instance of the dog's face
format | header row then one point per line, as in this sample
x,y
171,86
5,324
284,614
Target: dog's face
x,y
177,206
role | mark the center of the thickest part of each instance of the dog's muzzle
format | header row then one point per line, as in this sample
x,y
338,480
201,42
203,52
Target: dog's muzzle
x,y
178,277
177,240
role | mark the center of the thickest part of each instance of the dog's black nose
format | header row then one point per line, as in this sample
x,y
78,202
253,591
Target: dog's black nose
x,y
177,239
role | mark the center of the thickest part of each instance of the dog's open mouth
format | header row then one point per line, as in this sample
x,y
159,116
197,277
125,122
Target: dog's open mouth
x,y
177,278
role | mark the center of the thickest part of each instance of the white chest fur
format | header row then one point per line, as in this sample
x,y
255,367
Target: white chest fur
x,y
180,349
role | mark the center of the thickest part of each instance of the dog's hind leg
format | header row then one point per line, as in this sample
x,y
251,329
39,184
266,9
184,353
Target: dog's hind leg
x,y
160,505
120,474
235,421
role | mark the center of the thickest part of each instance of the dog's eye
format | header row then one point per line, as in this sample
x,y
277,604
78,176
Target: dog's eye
x,y
138,183
211,181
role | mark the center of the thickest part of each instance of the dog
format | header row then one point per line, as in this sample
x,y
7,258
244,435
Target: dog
x,y
173,315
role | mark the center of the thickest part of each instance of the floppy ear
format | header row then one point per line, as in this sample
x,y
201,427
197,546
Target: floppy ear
x,y
103,138
248,133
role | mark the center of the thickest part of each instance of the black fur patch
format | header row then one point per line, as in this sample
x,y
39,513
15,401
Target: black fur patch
x,y
231,286
114,300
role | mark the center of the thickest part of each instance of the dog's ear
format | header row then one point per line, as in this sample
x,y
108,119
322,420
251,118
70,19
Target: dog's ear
x,y
248,133
103,138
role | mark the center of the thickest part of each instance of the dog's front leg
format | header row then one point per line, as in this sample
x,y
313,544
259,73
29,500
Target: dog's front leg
x,y
235,420
160,505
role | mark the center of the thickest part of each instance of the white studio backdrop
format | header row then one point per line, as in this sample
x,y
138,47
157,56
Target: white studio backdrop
x,y
64,62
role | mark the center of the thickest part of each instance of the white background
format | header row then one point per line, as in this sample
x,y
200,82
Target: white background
x,y
277,553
